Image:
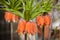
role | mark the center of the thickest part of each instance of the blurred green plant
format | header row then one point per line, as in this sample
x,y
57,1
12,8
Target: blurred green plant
x,y
30,8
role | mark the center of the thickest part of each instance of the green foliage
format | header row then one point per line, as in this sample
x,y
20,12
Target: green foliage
x,y
30,8
12,6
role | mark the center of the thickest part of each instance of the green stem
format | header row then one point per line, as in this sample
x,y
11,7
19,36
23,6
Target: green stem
x,y
27,15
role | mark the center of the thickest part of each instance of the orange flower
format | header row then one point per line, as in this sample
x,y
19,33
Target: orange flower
x,y
47,20
30,28
33,28
37,20
14,17
7,16
21,26
40,20
10,17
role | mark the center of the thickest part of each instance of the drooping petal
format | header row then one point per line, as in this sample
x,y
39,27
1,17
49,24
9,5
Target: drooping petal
x,y
40,20
21,26
28,27
47,20
7,16
33,28
14,18
37,20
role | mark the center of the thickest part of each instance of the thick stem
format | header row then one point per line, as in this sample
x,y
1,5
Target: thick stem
x,y
11,31
42,30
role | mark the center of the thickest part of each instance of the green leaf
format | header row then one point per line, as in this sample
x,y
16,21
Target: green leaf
x,y
3,2
37,6
17,4
34,15
2,8
17,13
19,8
12,3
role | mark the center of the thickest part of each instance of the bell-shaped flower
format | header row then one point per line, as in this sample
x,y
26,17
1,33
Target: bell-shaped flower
x,y
30,28
21,26
10,17
40,20
7,16
33,28
47,20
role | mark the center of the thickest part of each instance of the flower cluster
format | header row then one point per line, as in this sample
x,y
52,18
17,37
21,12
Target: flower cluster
x,y
26,27
10,17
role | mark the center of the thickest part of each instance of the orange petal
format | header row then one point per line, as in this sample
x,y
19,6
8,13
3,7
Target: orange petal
x,y
7,16
40,20
47,19
21,26
13,17
37,19
28,27
33,28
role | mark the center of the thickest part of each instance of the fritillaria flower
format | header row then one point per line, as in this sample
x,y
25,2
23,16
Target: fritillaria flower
x,y
30,28
10,17
21,26
40,20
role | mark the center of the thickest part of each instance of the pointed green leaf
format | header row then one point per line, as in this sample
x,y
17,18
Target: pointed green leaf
x,y
17,4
